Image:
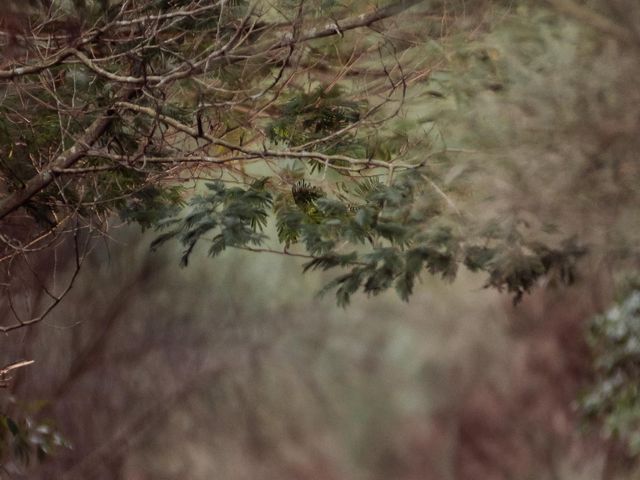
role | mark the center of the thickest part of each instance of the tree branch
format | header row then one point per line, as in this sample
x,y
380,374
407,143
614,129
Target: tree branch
x,y
65,160
364,20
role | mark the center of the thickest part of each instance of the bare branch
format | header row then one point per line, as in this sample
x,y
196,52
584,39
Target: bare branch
x,y
65,160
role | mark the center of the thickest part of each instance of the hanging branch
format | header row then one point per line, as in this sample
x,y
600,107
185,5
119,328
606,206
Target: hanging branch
x,y
4,371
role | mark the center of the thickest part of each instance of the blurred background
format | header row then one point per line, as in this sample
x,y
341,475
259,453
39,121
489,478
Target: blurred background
x,y
235,369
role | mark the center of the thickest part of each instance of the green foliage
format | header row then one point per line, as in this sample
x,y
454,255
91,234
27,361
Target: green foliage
x,y
234,216
516,263
614,397
312,116
376,226
369,195
320,118
151,204
24,439
305,197
384,235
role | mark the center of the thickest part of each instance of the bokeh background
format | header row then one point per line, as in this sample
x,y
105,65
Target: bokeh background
x,y
235,369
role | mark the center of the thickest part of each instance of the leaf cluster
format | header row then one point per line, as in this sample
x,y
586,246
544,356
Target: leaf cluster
x,y
25,438
381,235
614,395
315,118
234,216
